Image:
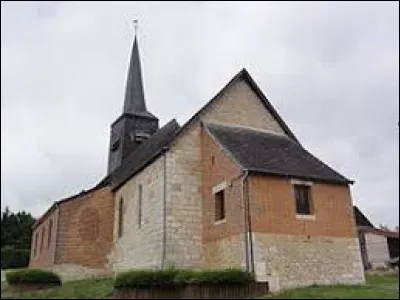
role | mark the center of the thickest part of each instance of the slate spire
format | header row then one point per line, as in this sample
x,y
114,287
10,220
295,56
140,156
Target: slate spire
x,y
134,95
136,124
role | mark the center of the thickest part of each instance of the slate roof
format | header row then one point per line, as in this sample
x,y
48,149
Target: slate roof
x,y
361,219
263,152
144,154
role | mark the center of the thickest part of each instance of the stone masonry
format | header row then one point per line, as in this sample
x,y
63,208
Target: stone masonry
x,y
140,244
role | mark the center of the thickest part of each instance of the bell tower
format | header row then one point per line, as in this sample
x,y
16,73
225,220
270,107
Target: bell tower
x,y
136,123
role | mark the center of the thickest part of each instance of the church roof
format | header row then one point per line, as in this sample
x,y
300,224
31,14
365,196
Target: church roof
x,y
144,154
272,154
134,95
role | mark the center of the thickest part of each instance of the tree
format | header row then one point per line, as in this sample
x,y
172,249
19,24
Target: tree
x,y
16,229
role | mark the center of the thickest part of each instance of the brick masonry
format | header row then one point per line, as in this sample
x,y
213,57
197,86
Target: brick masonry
x,y
81,236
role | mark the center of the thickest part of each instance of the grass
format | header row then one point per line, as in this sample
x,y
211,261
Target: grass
x,y
82,289
377,287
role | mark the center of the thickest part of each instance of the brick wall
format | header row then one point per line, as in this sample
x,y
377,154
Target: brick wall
x,y
81,236
85,230
223,243
43,243
273,209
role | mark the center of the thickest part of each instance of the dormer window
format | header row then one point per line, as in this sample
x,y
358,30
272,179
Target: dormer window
x,y
115,145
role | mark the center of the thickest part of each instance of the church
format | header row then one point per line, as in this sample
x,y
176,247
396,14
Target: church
x,y
232,187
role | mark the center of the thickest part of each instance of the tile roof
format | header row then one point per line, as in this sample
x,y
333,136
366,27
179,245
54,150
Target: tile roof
x,y
263,152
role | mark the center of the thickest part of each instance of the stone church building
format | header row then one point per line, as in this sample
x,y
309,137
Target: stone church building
x,y
232,187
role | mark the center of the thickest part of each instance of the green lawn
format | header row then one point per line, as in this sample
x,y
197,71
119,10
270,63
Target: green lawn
x,y
82,289
377,287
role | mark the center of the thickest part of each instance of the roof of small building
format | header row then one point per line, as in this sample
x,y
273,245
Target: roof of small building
x,y
144,154
379,231
268,153
361,219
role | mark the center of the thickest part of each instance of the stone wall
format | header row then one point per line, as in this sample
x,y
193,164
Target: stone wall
x,y
288,261
140,245
72,272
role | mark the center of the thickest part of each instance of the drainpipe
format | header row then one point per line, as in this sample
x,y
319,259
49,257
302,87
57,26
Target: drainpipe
x,y
245,231
250,235
247,222
164,241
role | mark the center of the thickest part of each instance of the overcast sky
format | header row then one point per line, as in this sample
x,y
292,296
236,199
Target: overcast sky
x,y
330,69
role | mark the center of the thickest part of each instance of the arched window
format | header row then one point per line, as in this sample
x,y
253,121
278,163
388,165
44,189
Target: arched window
x,y
49,236
120,217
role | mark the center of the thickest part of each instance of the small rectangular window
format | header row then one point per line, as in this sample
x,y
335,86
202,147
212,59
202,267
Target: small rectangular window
x,y
219,205
302,195
140,206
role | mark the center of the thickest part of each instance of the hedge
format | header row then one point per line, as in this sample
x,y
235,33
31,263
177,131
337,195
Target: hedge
x,y
147,278
33,276
14,258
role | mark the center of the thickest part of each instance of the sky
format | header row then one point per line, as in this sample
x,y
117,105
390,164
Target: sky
x,y
331,70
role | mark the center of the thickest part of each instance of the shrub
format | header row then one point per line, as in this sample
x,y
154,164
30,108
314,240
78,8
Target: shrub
x,y
172,276
185,276
14,258
33,276
227,276
144,278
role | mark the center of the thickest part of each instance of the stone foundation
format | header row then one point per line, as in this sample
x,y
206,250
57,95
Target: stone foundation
x,y
291,261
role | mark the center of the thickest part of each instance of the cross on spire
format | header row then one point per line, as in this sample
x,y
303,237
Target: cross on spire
x,y
135,26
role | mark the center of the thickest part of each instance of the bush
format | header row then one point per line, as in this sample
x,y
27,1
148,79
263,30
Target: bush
x,y
227,276
185,276
14,258
33,276
147,278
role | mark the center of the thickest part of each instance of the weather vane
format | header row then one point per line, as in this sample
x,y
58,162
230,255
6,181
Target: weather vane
x,y
135,26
